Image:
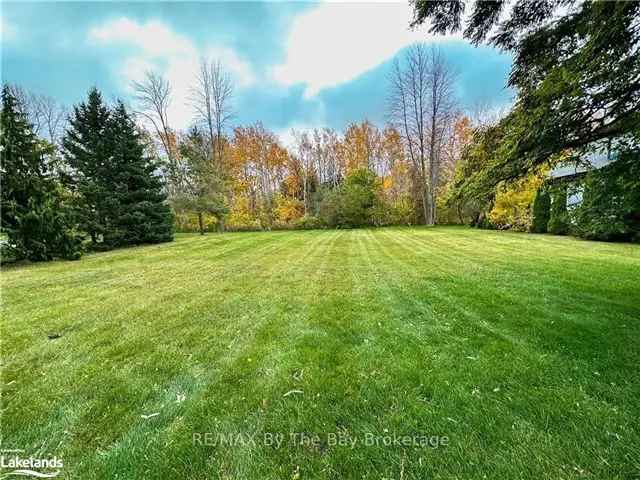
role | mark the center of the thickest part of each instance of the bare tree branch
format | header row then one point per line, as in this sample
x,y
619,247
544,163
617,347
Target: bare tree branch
x,y
46,115
421,105
153,98
211,98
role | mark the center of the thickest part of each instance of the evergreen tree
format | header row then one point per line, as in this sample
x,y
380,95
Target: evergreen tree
x,y
576,70
120,199
541,211
34,214
137,204
86,149
558,215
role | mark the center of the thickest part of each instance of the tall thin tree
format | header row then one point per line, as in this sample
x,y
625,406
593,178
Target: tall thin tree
x,y
441,117
407,111
421,102
153,98
211,99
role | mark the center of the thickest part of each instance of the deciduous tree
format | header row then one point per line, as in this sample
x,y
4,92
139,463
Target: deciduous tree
x,y
203,191
211,98
153,99
421,108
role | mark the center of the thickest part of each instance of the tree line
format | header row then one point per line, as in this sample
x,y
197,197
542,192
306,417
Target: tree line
x,y
102,176
221,176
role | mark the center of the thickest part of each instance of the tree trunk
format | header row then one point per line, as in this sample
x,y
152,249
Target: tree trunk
x,y
424,189
434,206
425,208
200,223
304,194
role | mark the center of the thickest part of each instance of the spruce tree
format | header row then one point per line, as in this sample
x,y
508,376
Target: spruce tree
x,y
86,149
138,204
34,215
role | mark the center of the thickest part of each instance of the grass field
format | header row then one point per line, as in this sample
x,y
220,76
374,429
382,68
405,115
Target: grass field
x,y
517,355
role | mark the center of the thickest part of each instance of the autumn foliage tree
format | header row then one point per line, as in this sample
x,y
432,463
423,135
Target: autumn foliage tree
x,y
259,164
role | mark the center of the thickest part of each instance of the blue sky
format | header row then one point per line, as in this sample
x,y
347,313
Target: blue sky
x,y
295,64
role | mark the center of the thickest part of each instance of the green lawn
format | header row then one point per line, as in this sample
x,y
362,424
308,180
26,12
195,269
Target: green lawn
x,y
519,353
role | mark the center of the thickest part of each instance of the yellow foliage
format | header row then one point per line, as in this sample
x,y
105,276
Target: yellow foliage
x,y
513,202
240,216
360,145
288,209
188,222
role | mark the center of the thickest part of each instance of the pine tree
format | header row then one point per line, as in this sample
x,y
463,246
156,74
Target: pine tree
x,y
34,214
138,204
86,150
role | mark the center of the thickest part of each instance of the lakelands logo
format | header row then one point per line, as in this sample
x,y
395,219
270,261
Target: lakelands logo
x,y
12,463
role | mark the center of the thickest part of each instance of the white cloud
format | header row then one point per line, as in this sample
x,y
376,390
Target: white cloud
x,y
157,47
154,38
336,42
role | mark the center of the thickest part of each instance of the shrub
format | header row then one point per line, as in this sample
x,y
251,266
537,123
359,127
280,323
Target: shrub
x,y
403,212
308,222
541,211
512,208
187,222
8,253
610,209
559,217
288,209
356,203
484,222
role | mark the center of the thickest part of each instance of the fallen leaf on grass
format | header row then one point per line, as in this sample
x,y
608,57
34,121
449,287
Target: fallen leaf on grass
x,y
151,415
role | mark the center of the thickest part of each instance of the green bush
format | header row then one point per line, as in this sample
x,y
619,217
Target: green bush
x,y
308,222
8,253
355,203
484,222
610,209
187,222
541,211
559,217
